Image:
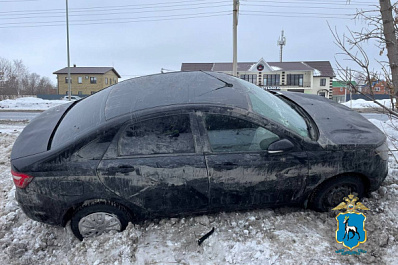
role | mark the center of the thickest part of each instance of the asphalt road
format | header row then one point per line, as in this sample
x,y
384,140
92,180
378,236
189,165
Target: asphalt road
x,y
376,116
17,116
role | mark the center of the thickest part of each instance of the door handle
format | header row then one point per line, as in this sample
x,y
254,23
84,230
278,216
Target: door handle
x,y
125,169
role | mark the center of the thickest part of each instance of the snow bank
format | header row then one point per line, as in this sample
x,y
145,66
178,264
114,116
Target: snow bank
x,y
30,103
280,236
361,103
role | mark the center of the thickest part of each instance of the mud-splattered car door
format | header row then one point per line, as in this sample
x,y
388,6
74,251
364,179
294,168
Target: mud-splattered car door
x,y
156,166
242,172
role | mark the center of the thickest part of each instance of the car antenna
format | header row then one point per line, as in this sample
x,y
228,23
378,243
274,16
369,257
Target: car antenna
x,y
226,83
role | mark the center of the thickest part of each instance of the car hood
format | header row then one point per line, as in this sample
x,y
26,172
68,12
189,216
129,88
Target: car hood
x,y
338,125
35,136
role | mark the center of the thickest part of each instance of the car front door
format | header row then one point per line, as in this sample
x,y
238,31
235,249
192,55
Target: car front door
x,y
156,166
242,172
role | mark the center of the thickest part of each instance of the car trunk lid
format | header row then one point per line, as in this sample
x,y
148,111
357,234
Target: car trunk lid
x,y
35,137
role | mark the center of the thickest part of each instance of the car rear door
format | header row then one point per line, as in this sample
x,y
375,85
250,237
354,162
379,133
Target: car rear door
x,y
242,172
157,166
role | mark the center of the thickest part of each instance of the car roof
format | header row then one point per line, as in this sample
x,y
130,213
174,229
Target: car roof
x,y
176,88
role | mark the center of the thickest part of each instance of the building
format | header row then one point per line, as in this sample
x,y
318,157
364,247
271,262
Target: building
x,y
86,80
379,88
341,92
312,77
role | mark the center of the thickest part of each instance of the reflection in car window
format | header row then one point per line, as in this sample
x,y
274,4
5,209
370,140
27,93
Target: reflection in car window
x,y
230,134
165,135
276,110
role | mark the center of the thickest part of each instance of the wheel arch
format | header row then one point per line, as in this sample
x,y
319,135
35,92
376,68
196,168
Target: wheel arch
x,y
365,180
134,213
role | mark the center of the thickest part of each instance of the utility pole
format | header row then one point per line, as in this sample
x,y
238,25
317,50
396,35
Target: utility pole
x,y
235,33
281,42
67,48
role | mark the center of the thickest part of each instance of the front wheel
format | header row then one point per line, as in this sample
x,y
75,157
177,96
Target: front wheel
x,y
331,193
93,220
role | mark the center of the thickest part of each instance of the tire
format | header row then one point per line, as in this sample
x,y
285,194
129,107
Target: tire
x,y
93,220
331,193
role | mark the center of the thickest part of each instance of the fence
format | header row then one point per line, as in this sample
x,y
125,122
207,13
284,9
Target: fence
x,y
3,97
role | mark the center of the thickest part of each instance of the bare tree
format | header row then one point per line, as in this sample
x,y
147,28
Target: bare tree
x,y
382,28
15,79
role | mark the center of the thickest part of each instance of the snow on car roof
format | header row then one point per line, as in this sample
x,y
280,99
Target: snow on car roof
x,y
174,89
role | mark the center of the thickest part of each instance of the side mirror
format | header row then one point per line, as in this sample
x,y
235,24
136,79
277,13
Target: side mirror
x,y
280,146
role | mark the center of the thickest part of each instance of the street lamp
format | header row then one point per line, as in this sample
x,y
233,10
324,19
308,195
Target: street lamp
x,y
67,48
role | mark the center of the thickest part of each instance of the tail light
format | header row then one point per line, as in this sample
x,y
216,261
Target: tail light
x,y
21,180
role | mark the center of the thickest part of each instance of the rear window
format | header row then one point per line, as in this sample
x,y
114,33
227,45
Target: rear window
x,y
85,116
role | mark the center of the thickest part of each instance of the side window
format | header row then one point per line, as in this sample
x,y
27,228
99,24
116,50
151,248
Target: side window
x,y
165,135
230,134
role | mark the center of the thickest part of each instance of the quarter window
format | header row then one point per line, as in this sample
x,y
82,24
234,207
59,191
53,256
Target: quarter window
x,y
230,134
165,135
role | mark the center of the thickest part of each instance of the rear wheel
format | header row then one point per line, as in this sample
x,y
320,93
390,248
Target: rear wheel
x,y
93,220
331,193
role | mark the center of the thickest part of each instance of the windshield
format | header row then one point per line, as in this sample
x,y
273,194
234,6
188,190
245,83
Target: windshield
x,y
275,109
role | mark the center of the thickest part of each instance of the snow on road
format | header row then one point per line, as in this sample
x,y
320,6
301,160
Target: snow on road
x,y
29,103
267,236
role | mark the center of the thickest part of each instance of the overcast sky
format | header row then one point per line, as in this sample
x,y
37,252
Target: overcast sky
x,y
141,37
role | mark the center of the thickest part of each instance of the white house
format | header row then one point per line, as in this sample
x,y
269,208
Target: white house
x,y
312,77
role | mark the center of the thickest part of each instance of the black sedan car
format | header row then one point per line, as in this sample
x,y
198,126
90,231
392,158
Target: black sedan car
x,y
187,143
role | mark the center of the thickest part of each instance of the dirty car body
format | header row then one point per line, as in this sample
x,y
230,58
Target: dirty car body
x,y
191,142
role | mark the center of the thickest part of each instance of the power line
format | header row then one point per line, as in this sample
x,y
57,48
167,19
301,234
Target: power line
x,y
51,24
316,2
298,16
13,1
117,13
106,8
295,13
304,7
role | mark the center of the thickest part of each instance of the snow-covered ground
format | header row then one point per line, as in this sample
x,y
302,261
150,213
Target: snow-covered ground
x,y
361,103
29,103
279,236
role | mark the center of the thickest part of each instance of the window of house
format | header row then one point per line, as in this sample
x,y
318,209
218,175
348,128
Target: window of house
x,y
323,81
80,79
66,80
80,93
106,80
341,89
271,80
93,80
377,89
295,80
252,78
164,135
110,81
230,134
